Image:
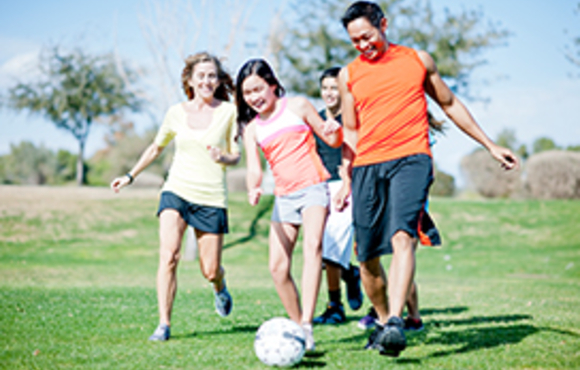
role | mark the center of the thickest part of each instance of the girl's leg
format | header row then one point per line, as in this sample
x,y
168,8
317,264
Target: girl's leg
x,y
282,240
171,229
314,219
210,257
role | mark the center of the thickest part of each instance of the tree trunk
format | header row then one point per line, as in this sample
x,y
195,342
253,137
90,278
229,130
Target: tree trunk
x,y
80,164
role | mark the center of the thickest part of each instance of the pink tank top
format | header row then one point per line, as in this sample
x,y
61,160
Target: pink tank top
x,y
290,149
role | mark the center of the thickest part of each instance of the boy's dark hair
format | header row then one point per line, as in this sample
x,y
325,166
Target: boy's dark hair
x,y
371,11
330,72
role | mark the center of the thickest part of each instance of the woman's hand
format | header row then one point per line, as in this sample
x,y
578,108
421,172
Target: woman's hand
x,y
120,182
215,153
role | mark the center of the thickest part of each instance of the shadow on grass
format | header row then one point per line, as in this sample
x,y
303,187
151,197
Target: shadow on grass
x,y
233,330
424,312
480,320
499,331
264,207
309,364
446,310
474,339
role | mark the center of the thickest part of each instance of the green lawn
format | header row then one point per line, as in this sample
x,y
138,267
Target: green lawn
x,y
77,289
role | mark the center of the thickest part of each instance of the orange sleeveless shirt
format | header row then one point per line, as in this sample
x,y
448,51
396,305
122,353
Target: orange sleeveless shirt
x,y
390,106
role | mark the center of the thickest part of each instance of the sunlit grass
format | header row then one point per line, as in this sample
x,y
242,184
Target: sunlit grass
x,y
77,289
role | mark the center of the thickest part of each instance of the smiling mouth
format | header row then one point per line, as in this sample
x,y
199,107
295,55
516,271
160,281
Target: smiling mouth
x,y
257,105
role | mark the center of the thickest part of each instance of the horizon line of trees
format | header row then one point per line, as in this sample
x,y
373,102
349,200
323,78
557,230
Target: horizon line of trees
x,y
77,89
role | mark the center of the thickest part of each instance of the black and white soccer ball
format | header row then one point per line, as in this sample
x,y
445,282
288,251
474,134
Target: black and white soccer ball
x,y
280,342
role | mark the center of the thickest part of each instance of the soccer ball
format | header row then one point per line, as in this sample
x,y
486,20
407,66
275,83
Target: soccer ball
x,y
280,342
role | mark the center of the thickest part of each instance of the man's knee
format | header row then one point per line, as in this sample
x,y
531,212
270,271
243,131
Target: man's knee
x,y
402,241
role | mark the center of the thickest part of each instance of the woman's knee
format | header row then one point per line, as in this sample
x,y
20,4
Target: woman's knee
x,y
212,273
169,258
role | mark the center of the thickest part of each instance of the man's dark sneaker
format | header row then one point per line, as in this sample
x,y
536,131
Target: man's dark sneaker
x,y
162,333
353,290
412,324
334,314
373,342
368,321
392,338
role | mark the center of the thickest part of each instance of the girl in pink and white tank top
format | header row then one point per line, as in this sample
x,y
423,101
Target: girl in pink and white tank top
x,y
282,128
290,149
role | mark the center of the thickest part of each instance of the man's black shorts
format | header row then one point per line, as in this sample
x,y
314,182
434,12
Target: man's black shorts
x,y
388,197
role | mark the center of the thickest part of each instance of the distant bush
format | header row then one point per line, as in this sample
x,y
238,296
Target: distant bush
x,y
485,176
123,151
444,185
553,174
27,164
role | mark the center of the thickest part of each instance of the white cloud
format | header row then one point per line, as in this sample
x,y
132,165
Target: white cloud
x,y
21,67
10,46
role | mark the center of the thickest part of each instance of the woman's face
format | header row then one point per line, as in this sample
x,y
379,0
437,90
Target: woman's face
x,y
329,92
260,96
204,80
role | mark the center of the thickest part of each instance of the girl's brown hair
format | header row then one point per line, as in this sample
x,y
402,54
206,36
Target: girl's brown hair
x,y
226,86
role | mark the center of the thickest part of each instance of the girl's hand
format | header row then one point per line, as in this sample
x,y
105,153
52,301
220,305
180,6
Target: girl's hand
x,y
215,153
330,126
254,196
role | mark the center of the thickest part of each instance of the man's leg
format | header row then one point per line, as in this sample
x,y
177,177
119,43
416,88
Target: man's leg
x,y
374,282
401,273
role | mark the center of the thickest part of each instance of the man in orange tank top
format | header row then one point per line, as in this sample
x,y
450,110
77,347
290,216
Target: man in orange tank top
x,y
387,161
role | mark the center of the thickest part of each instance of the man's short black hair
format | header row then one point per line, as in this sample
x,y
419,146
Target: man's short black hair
x,y
371,11
330,72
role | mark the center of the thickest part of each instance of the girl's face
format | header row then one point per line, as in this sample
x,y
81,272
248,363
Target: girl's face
x,y
329,92
204,80
260,96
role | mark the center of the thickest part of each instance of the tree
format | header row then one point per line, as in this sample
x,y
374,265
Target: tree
x,y
76,90
572,52
543,144
174,29
316,40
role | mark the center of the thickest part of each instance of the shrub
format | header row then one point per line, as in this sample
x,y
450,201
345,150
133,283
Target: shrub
x,y
553,174
485,175
444,184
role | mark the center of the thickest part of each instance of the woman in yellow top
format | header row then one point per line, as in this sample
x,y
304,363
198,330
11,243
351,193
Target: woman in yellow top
x,y
204,129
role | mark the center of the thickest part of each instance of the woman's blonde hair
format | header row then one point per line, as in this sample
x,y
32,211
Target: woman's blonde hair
x,y
226,86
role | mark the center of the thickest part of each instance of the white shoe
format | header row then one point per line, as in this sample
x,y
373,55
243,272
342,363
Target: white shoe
x,y
310,345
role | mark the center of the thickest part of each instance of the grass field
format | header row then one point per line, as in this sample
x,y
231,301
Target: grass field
x,y
77,288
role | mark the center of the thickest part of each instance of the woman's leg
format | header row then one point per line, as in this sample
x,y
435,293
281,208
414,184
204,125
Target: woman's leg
x,y
210,257
282,240
171,229
314,219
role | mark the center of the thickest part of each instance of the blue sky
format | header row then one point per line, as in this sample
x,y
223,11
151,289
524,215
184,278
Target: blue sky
x,y
531,90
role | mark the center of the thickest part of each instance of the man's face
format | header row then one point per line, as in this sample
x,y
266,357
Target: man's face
x,y
367,39
329,92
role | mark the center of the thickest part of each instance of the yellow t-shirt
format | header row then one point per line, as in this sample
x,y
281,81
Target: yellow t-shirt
x,y
193,175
